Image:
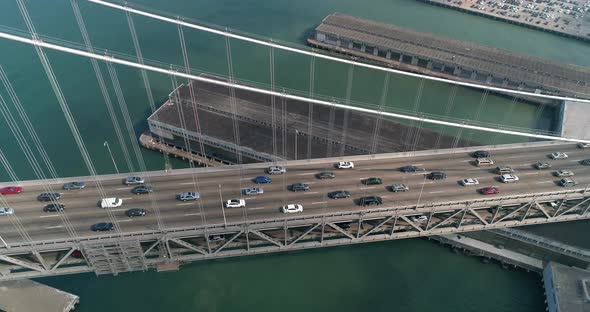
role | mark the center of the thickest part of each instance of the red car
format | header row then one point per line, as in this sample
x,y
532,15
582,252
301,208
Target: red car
x,y
11,190
490,190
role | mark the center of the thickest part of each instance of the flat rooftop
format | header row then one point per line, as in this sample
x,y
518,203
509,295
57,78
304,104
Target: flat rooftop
x,y
550,75
570,288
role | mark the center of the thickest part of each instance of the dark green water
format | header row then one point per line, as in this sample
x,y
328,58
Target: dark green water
x,y
410,275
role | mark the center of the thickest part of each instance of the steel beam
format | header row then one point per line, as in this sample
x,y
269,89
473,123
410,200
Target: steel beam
x,y
40,259
412,224
228,242
473,212
543,210
266,237
188,245
304,234
22,263
67,255
339,229
152,246
513,212
575,206
377,226
447,219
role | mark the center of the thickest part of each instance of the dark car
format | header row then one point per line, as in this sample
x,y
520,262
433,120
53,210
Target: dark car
x,y
409,169
142,189
481,154
76,254
490,190
585,162
296,187
372,181
370,200
326,175
135,212
102,227
262,180
437,175
339,194
11,190
54,208
49,196
74,186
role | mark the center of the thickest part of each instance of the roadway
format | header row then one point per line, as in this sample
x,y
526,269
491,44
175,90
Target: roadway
x,y
82,206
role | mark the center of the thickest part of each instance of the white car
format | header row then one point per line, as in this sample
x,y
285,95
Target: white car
x,y
419,218
583,145
235,203
276,170
563,173
469,181
345,165
292,208
112,202
558,155
508,178
6,211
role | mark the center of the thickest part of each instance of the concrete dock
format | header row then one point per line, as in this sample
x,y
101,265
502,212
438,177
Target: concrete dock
x,y
439,56
575,118
566,18
567,289
29,296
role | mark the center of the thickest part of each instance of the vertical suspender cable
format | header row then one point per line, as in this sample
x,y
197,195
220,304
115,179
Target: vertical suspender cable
x,y
379,118
346,111
232,99
310,105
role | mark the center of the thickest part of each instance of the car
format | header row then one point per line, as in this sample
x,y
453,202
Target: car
x,y
74,186
135,212
481,154
563,173
142,189
262,180
370,200
419,218
339,194
6,211
235,203
184,196
54,208
276,170
134,180
102,227
483,162
585,162
542,165
372,181
11,190
296,187
49,196
583,145
292,208
399,188
76,254
326,175
437,175
111,202
567,182
407,169
345,165
558,155
469,181
216,238
504,170
490,190
253,191
508,178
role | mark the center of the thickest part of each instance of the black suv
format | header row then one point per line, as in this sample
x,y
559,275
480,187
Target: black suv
x,y
296,187
326,175
409,169
49,196
481,154
142,189
339,194
135,212
103,226
372,181
370,200
437,175
54,208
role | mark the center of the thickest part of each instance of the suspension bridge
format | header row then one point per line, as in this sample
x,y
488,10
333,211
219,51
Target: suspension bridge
x,y
35,243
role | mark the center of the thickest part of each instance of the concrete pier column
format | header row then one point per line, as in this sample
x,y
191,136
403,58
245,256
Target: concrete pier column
x,y
338,42
401,56
429,65
443,68
375,51
504,82
489,80
457,71
363,48
414,61
388,55
473,76
350,45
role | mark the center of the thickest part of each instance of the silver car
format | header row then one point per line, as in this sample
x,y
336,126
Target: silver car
x,y
253,191
276,170
184,196
563,173
6,211
134,180
74,186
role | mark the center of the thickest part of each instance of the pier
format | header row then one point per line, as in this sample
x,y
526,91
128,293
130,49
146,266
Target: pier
x,y
567,289
28,296
414,51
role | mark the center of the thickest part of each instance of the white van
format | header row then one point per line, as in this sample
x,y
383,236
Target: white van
x,y
483,162
112,202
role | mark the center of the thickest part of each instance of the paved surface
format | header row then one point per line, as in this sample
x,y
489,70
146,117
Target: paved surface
x,y
567,289
575,118
216,184
551,76
29,296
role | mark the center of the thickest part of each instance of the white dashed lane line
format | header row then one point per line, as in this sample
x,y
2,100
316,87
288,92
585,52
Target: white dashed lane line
x,y
317,203
187,183
192,214
54,227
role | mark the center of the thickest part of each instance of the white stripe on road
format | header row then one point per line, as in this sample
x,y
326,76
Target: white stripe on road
x,y
309,173
193,214
544,182
54,227
468,160
577,159
184,204
118,209
256,208
310,192
317,203
187,183
123,188
417,165
247,179
426,182
366,188
529,173
125,220
434,192
49,216
127,198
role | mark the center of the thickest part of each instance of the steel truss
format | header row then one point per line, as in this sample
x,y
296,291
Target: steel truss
x,y
139,251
